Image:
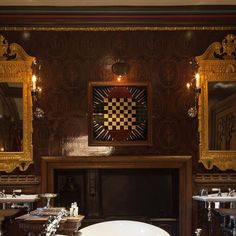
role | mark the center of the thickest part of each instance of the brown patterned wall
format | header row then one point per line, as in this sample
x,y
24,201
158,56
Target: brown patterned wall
x,y
70,60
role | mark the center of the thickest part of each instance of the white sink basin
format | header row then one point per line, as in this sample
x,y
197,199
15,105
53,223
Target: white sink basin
x,y
19,198
215,198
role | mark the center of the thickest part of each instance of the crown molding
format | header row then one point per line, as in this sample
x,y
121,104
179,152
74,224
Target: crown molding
x,y
118,16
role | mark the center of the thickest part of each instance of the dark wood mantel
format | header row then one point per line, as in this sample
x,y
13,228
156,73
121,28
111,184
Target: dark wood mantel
x,y
182,163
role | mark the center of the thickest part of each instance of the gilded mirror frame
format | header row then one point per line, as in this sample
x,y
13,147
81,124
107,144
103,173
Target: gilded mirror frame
x,y
216,64
15,66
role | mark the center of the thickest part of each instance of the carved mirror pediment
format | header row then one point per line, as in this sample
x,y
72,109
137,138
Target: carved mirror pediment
x,y
217,104
15,107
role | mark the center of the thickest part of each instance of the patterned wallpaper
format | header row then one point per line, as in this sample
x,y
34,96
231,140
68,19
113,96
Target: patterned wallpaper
x,y
70,59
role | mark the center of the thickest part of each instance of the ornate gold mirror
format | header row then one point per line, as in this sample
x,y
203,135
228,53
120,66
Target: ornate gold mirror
x,y
15,107
217,104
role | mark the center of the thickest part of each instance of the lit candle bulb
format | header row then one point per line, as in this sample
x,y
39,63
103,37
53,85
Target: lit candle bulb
x,y
188,85
119,78
34,79
197,77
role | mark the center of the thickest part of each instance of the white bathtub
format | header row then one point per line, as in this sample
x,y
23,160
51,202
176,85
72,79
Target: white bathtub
x,y
122,228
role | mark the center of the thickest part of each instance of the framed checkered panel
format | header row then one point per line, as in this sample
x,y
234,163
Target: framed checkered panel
x,y
119,114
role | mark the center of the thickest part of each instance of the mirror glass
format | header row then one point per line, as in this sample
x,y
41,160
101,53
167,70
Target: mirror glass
x,y
222,115
11,117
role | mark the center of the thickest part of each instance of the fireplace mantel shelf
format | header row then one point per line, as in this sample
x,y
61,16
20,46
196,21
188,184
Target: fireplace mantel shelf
x,y
120,161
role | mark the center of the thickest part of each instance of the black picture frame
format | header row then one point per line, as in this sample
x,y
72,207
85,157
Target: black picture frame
x,y
119,114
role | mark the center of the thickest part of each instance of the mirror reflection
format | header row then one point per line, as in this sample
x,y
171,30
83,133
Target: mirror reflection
x,y
11,113
222,115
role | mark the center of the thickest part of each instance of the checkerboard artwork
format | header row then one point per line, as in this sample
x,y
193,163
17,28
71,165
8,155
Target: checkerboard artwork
x,y
119,113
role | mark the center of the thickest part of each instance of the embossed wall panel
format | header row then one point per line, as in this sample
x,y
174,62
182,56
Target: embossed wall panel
x,y
70,59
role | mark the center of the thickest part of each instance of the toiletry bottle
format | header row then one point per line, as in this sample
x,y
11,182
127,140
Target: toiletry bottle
x,y
72,209
76,209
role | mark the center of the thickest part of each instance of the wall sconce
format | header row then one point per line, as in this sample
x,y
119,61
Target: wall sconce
x,y
37,111
195,85
120,69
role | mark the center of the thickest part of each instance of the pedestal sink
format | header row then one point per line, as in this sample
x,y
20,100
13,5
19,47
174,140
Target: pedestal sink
x,y
14,201
23,198
224,197
216,201
216,198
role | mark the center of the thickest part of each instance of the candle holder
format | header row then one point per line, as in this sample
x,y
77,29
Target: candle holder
x,y
37,111
34,94
195,85
193,111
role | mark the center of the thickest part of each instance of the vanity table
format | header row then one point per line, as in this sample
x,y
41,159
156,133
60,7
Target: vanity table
x,y
34,224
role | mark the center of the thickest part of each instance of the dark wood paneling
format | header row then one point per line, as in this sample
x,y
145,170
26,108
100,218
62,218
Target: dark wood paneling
x,y
70,59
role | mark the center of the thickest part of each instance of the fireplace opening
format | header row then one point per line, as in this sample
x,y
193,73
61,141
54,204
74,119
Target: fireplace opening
x,y
146,193
71,187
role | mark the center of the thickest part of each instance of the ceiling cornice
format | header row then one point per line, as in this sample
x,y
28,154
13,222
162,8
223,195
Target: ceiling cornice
x,y
124,10
114,2
120,16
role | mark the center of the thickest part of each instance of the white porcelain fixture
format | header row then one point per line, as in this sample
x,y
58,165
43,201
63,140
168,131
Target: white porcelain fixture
x,y
215,198
124,228
23,198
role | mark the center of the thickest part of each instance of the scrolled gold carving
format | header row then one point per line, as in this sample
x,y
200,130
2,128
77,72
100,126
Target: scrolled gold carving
x,y
216,64
3,46
12,69
224,50
229,46
15,66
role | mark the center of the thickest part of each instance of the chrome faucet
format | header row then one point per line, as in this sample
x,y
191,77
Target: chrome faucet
x,y
217,190
231,192
3,194
198,232
15,192
203,192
